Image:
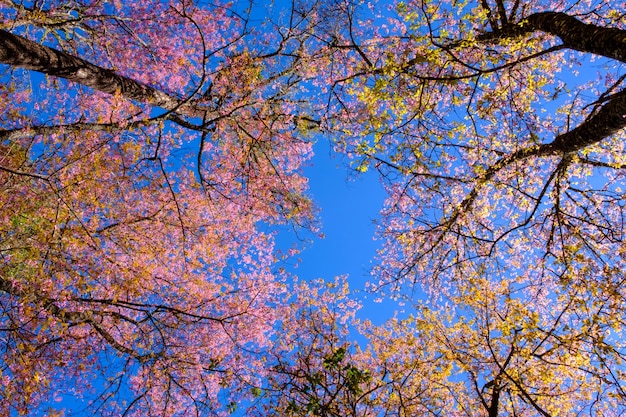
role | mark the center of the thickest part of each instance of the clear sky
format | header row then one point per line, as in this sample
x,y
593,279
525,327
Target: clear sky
x,y
349,204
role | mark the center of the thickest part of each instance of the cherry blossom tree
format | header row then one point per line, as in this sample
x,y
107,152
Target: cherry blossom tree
x,y
314,368
485,135
138,177
488,352
498,129
141,176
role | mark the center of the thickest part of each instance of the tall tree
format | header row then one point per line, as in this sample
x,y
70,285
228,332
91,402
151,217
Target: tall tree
x,y
498,129
485,129
137,178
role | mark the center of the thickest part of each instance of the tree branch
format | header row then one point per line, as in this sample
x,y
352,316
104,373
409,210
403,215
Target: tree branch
x,y
583,37
606,121
21,52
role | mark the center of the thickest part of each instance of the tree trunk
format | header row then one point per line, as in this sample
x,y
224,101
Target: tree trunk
x,y
607,121
583,37
21,52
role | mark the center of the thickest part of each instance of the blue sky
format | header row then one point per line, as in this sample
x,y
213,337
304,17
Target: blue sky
x,y
349,203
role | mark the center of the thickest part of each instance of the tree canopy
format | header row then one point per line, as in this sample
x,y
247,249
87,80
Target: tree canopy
x,y
144,175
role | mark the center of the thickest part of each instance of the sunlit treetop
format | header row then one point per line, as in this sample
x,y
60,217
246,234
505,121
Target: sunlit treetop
x,y
497,127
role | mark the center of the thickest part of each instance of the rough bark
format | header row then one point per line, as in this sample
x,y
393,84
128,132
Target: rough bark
x,y
607,121
18,51
610,118
576,35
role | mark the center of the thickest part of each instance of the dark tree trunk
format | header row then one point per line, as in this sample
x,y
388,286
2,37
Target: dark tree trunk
x,y
21,52
576,35
610,118
607,121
